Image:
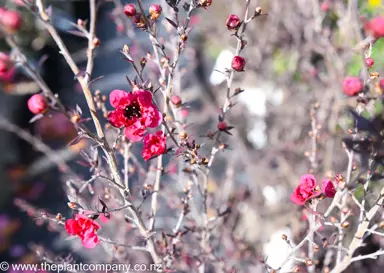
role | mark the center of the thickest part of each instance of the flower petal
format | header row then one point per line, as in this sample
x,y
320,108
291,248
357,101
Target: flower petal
x,y
119,98
116,118
144,97
71,226
90,241
134,134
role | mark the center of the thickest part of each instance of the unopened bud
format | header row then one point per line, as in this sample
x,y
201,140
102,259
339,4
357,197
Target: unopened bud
x,y
126,49
75,118
59,217
205,3
284,237
96,41
155,11
183,135
345,224
258,11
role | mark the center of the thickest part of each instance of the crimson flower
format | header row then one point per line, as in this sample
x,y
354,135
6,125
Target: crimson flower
x,y
306,190
352,86
85,228
154,145
376,27
135,111
328,188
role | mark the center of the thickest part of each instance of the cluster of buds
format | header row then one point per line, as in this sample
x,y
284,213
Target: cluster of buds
x,y
155,11
100,101
7,70
10,20
233,22
37,104
238,63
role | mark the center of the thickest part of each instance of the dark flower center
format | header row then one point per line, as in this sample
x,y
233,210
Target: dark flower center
x,y
132,110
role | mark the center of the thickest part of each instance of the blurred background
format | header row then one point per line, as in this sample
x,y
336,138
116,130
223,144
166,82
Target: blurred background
x,y
296,55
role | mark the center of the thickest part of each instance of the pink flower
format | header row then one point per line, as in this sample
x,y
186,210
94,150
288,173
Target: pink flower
x,y
85,228
10,19
130,10
376,27
154,145
7,70
37,104
155,11
233,22
328,188
369,62
352,86
135,111
306,190
238,63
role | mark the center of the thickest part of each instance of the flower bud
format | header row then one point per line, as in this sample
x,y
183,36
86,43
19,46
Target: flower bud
x,y
222,126
183,135
324,6
205,3
369,62
258,11
7,70
139,20
10,19
176,100
130,10
238,63
345,224
155,11
352,86
233,22
37,104
375,27
75,118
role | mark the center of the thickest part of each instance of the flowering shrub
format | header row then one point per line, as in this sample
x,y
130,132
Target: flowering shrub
x,y
177,173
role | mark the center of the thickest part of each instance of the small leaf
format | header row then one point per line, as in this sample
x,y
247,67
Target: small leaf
x,y
77,33
172,23
78,109
94,80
